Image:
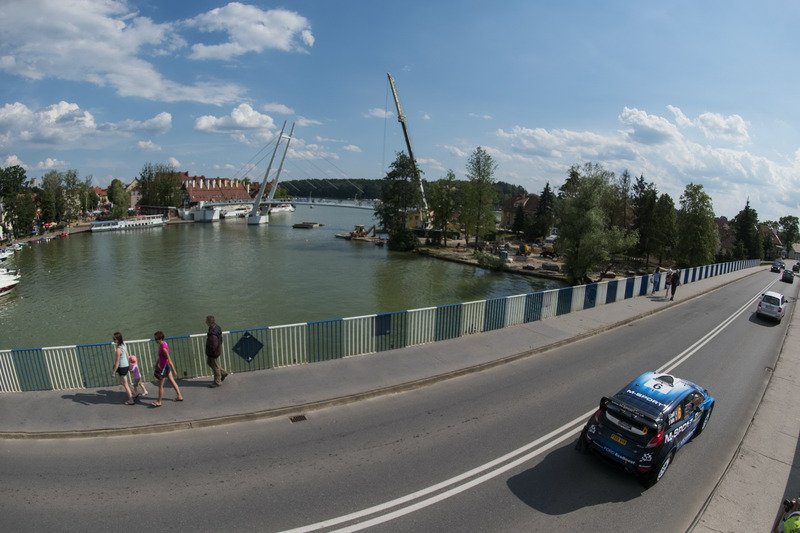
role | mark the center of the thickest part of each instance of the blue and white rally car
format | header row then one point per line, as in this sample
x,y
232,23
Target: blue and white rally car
x,y
643,425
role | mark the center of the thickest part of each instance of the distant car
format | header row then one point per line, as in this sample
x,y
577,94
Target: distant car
x,y
787,275
773,305
776,267
642,426
796,267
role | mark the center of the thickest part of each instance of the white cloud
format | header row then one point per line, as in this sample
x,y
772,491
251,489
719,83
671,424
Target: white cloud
x,y
148,146
242,122
250,29
302,121
654,146
174,163
485,117
352,148
277,108
377,112
732,128
12,161
66,125
97,41
50,164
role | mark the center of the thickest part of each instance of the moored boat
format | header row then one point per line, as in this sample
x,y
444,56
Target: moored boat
x,y
139,222
9,279
281,208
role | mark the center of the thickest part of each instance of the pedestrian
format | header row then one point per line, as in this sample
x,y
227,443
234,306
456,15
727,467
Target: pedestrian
x,y
214,350
667,281
788,520
656,280
121,365
674,282
137,377
164,370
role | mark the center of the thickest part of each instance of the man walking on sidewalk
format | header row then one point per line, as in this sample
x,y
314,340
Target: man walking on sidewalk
x,y
213,351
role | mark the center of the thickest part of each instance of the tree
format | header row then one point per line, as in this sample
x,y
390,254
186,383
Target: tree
x,y
666,228
520,220
160,185
478,212
745,227
118,198
52,197
443,196
586,236
643,204
698,238
71,194
12,186
790,231
544,219
400,195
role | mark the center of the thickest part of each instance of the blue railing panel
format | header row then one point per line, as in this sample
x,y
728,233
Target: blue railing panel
x,y
564,305
32,370
495,316
448,322
533,307
325,340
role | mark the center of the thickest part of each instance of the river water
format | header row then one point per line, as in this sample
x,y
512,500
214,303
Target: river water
x,y
81,289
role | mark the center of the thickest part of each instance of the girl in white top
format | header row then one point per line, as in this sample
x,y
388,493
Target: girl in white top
x,y
121,366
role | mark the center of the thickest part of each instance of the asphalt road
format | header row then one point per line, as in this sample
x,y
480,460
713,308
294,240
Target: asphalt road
x,y
491,451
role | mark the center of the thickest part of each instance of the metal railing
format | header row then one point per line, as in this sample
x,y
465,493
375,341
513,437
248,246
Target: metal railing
x,y
89,366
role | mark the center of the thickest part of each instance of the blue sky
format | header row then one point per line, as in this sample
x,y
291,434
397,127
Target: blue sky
x,y
682,91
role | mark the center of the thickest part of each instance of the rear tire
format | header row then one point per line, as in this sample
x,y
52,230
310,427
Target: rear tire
x,y
658,472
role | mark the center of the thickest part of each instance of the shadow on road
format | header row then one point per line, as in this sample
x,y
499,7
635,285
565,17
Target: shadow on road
x,y
567,480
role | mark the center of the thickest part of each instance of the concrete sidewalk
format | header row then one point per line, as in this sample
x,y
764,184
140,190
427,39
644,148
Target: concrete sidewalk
x,y
743,500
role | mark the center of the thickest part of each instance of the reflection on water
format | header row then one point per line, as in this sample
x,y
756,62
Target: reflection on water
x,y
82,289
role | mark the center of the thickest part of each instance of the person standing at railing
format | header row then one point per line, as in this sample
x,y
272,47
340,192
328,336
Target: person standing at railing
x,y
656,279
214,350
164,370
121,365
674,282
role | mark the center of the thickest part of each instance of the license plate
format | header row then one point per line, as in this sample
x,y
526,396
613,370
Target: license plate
x,y
619,439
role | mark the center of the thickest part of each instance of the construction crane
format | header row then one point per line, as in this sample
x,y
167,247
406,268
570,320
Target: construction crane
x,y
401,118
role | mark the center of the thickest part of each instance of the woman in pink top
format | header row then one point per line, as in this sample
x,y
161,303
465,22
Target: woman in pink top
x,y
164,369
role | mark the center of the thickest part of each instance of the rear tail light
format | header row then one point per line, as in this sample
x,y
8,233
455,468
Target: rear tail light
x,y
656,440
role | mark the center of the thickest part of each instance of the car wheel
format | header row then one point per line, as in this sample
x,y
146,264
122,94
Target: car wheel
x,y
704,422
658,472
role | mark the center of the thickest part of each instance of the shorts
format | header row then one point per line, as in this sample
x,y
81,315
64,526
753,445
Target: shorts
x,y
122,371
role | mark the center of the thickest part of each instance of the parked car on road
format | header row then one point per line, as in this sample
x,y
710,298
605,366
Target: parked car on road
x,y
773,305
787,275
642,426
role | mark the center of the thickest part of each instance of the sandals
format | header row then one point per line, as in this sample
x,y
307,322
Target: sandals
x,y
130,402
178,399
154,404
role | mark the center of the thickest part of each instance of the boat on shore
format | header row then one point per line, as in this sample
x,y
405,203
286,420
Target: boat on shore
x,y
9,279
139,222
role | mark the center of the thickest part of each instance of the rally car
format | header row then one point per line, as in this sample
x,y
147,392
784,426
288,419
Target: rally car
x,y
642,426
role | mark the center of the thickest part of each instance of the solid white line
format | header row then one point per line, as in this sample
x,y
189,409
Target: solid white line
x,y
512,459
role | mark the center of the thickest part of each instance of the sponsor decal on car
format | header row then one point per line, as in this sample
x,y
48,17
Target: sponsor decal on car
x,y
645,397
